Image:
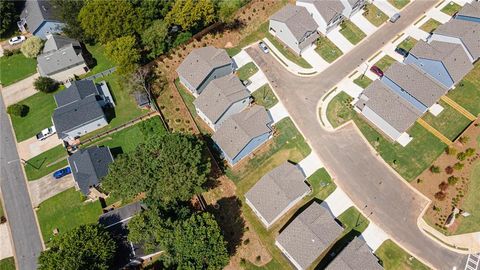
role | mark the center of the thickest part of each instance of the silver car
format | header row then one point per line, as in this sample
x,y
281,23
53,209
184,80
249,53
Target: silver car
x,y
395,17
263,46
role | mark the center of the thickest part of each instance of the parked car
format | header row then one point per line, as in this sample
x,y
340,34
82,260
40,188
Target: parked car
x,y
62,172
42,135
263,46
377,71
401,51
246,82
17,40
395,17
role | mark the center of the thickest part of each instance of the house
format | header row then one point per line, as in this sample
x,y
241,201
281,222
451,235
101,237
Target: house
x,y
41,18
446,62
469,12
352,7
462,32
80,109
222,98
203,65
355,256
277,192
89,166
61,58
388,111
308,235
327,14
243,132
295,27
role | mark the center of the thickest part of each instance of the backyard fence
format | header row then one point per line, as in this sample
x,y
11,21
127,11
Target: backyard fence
x,y
101,74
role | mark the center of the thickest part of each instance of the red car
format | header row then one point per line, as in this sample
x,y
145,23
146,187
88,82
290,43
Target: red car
x,y
377,71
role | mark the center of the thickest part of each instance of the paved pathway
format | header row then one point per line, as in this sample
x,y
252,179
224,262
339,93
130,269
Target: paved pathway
x,y
19,90
374,236
33,147
241,59
310,164
386,7
459,108
289,65
314,59
359,20
47,187
258,80
338,202
278,112
435,132
6,249
339,40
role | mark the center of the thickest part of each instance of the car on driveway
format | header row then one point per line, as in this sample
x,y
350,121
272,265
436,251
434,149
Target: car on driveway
x,y
377,71
263,46
62,172
16,40
395,17
42,135
401,51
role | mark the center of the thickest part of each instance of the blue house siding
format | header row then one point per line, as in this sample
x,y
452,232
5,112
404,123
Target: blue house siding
x,y
436,69
47,27
252,145
467,18
404,94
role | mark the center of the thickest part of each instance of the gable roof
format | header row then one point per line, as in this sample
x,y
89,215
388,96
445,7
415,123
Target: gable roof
x,y
468,32
470,10
297,19
120,215
200,62
59,53
327,9
309,234
76,91
355,256
238,130
276,190
89,165
416,82
56,42
36,12
453,56
219,95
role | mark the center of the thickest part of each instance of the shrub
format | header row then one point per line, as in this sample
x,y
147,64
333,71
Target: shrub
x,y
461,156
458,166
440,196
443,186
31,47
452,180
11,52
18,110
450,151
45,84
448,170
464,139
434,169
469,152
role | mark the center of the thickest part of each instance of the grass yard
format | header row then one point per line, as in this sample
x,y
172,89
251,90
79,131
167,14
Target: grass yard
x,y
251,38
290,55
45,163
409,161
327,49
430,25
374,15
247,71
15,68
321,183
352,219
265,97
449,122
352,32
7,264
102,63
467,92
407,44
394,257
41,107
451,8
399,4
472,203
363,81
385,62
188,99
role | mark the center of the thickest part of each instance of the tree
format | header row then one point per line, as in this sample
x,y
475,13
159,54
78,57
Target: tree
x,y
107,20
182,38
19,110
9,16
227,8
434,169
31,47
69,11
85,247
191,14
45,84
152,10
155,38
124,54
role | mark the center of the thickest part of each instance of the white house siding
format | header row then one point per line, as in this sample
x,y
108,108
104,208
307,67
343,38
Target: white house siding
x,y
454,40
281,31
322,24
67,74
290,258
349,10
380,123
87,128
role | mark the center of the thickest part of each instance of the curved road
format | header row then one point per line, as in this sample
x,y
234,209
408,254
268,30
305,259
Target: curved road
x,y
357,169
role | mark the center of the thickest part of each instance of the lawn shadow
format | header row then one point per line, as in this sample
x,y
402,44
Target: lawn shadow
x,y
35,167
110,113
116,151
89,59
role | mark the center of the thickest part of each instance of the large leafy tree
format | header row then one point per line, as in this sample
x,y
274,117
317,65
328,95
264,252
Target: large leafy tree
x,y
152,10
32,47
8,15
155,38
85,247
69,11
124,53
227,8
191,14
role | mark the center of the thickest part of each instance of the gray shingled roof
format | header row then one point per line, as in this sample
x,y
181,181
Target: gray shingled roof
x,y
200,62
355,256
470,10
328,9
120,215
89,166
219,95
453,57
297,19
416,82
141,98
76,91
56,42
468,32
309,234
59,54
38,11
277,189
238,130
394,109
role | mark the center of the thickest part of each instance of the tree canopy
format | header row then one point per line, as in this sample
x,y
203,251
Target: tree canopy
x,y
155,38
85,247
191,14
124,53
69,11
31,47
8,17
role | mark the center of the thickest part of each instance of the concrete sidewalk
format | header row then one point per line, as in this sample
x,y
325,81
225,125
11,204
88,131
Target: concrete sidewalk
x,y
241,58
374,236
19,90
278,112
258,80
339,40
314,59
359,20
310,164
338,202
289,65
386,7
6,249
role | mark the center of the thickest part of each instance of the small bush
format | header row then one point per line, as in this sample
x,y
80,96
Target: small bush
x,y
443,186
246,241
464,139
45,84
11,52
470,152
450,151
440,196
452,180
448,170
435,169
19,110
31,47
458,166
461,156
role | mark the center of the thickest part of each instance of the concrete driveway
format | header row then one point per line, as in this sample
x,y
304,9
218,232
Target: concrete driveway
x,y
340,40
6,249
19,90
47,187
33,147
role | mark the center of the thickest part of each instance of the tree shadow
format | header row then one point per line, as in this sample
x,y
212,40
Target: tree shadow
x,y
116,151
109,113
89,59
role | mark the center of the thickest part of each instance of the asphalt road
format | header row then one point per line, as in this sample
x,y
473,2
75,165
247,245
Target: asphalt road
x,y
25,233
379,192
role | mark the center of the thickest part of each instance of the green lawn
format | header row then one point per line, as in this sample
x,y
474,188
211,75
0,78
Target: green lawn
x,y
327,49
363,81
472,203
467,91
430,25
352,32
374,15
65,211
247,71
451,8
449,122
7,264
15,68
256,35
290,55
408,161
407,44
385,62
394,257
321,183
264,96
352,219
399,4
45,163
102,63
41,107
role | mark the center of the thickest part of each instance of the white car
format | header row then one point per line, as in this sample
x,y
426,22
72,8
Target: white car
x,y
42,135
17,40
263,46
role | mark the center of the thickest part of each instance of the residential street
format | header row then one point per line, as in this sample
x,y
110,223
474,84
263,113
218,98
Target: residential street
x,y
375,189
25,233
